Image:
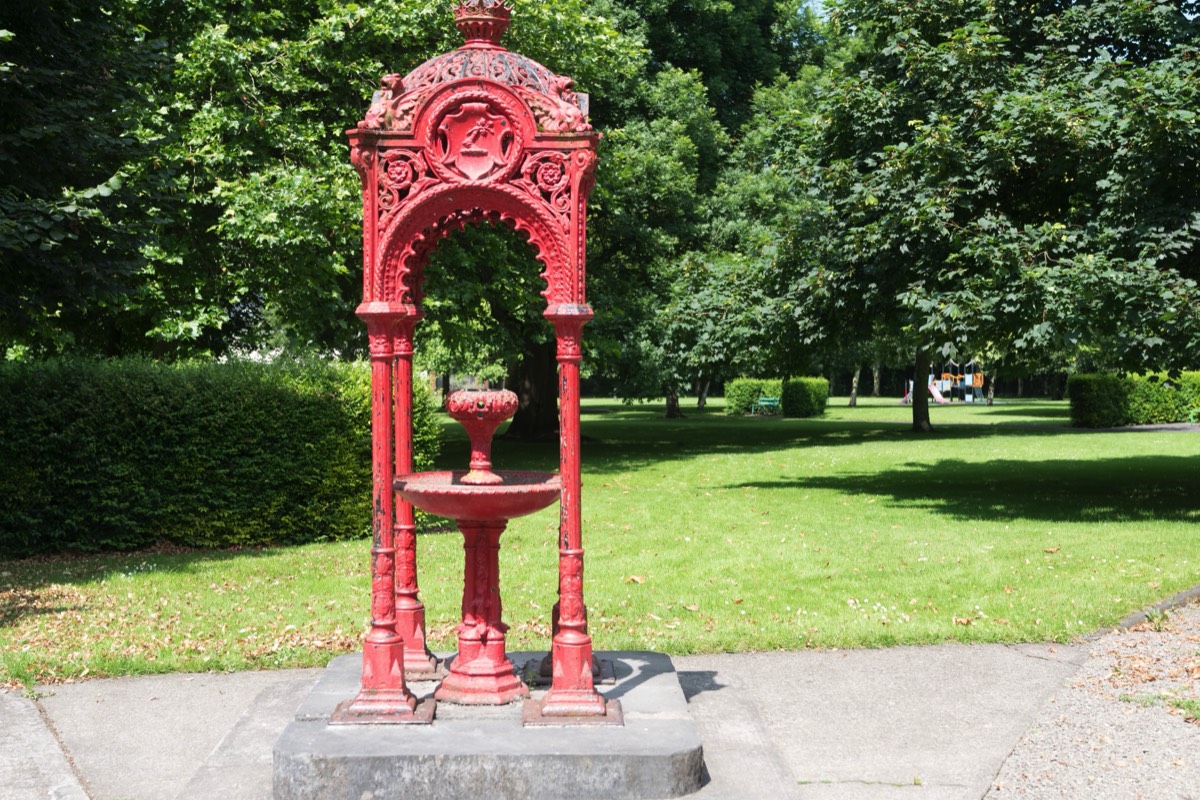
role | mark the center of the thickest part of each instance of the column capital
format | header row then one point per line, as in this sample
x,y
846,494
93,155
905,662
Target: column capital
x,y
562,312
389,327
569,319
377,309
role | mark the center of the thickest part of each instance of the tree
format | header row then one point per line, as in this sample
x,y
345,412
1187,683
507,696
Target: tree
x,y
70,75
651,178
1013,175
713,325
733,46
234,216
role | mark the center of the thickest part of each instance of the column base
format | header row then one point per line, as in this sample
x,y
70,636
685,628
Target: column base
x,y
573,703
419,663
383,707
481,682
535,715
422,666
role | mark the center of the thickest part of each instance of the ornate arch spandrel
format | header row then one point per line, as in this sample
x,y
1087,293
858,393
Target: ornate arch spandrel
x,y
410,237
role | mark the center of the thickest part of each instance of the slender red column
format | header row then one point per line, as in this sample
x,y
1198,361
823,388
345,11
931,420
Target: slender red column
x,y
572,691
383,694
410,611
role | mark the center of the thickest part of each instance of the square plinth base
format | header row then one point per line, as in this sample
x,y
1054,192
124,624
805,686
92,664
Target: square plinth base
x,y
485,752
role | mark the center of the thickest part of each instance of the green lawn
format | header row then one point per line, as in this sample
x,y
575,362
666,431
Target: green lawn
x,y
710,533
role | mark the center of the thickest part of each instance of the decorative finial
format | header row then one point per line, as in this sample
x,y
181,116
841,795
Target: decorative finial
x,y
482,22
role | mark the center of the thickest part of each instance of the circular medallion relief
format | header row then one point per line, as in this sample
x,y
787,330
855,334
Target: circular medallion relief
x,y
473,138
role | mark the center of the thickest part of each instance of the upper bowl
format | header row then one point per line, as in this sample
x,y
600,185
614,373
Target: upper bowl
x,y
445,495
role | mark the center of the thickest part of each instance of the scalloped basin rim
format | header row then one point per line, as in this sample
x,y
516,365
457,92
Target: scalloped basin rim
x,y
443,494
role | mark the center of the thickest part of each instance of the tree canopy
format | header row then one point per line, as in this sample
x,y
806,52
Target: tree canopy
x,y
1007,174
776,186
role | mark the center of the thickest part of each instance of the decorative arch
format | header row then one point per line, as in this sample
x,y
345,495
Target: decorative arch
x,y
410,238
477,134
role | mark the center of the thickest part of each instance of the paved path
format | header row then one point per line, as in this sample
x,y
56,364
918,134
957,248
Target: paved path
x,y
927,723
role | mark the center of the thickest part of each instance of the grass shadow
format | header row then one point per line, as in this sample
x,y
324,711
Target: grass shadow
x,y
1062,413
621,440
1128,489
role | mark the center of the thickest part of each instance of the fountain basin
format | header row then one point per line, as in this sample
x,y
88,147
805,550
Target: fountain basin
x,y
444,494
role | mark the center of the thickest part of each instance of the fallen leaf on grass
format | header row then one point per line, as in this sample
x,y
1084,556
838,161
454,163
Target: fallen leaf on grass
x,y
963,620
635,579
1054,549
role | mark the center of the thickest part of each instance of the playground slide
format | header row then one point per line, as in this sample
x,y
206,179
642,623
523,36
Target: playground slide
x,y
937,396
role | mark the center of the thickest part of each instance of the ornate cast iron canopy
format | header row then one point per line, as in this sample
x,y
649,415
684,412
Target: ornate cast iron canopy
x,y
479,134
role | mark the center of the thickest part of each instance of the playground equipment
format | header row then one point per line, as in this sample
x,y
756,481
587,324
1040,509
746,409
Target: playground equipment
x,y
966,385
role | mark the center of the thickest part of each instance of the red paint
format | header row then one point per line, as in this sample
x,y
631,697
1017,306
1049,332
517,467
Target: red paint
x,y
479,134
481,413
481,501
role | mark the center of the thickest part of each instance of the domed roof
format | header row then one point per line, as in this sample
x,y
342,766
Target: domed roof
x,y
555,105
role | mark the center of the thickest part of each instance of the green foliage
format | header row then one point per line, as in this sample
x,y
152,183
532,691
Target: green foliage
x,y
995,175
99,455
733,46
742,393
215,209
1100,400
1156,399
804,397
651,177
69,89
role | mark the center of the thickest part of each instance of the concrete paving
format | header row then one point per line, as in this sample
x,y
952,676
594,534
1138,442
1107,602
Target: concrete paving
x,y
926,723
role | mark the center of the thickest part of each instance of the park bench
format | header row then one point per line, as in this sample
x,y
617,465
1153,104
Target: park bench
x,y
765,405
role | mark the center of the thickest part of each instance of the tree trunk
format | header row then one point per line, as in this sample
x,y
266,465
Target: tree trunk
x,y
920,395
673,410
854,385
702,393
445,386
876,378
1059,385
533,379
1020,387
990,380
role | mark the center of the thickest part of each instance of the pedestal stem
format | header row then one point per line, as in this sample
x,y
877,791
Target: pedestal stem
x,y
481,673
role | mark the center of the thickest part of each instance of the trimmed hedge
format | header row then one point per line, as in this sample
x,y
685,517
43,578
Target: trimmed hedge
x,y
799,397
805,397
742,393
116,455
1113,401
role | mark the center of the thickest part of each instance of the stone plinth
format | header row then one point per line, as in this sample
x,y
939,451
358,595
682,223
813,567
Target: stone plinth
x,y
483,751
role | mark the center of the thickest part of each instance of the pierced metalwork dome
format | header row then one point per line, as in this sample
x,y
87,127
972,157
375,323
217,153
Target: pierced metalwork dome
x,y
555,104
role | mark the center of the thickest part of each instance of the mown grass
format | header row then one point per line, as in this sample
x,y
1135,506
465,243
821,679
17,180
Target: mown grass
x,y
706,534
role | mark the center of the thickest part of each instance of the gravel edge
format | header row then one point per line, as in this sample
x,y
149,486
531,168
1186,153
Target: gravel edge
x,y
1127,724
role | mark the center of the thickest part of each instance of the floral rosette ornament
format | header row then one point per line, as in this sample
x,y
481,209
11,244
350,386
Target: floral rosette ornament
x,y
547,175
404,175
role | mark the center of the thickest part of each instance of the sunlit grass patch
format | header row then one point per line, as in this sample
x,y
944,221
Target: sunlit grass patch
x,y
712,533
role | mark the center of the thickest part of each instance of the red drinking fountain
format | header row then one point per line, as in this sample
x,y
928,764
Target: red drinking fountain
x,y
480,501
